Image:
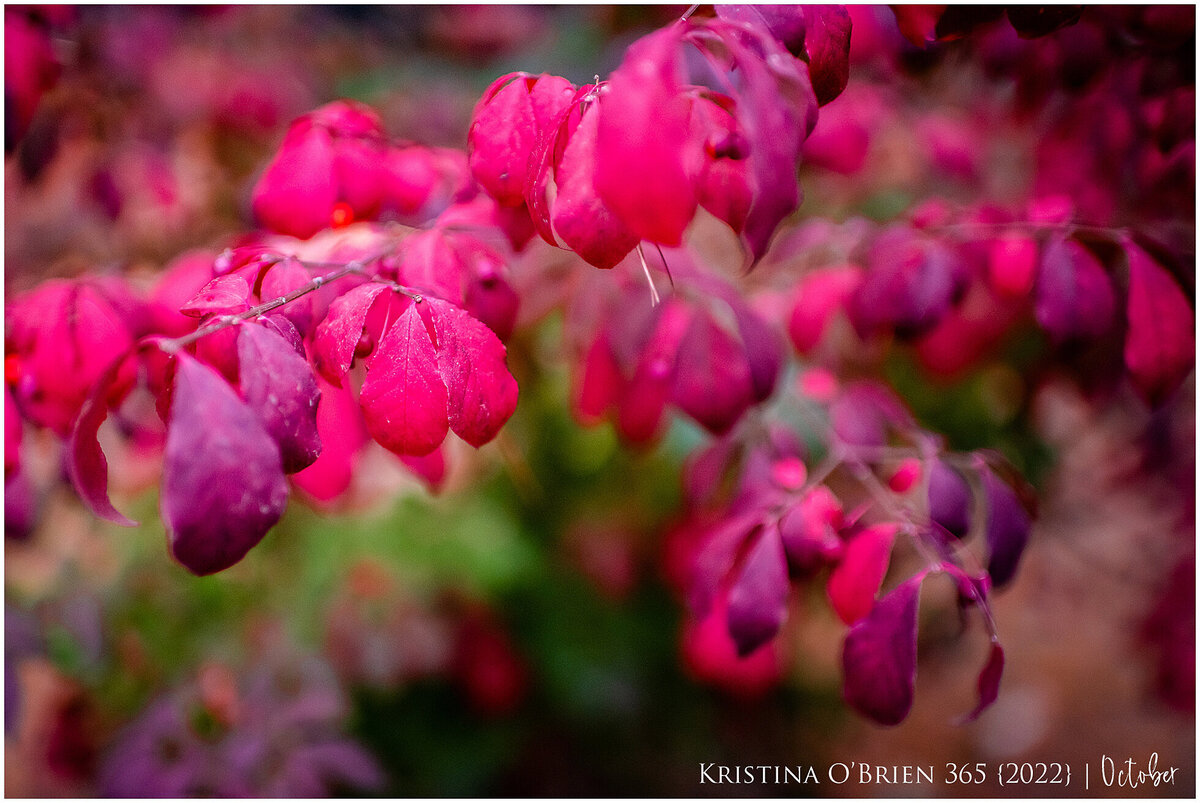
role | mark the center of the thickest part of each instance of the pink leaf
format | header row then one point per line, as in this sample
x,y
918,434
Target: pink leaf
x,y
819,296
297,192
342,433
481,393
1160,343
810,531
222,296
403,398
503,135
949,499
856,579
283,278
600,383
879,658
758,596
86,464
587,225
717,552
643,127
280,388
337,336
223,485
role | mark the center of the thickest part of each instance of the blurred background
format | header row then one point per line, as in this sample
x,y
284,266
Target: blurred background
x,y
516,634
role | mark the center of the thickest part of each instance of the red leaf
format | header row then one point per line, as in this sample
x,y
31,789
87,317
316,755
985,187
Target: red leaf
x,y
403,398
280,388
1074,296
502,136
712,376
1160,343
827,41
1007,528
855,581
282,279
298,190
223,485
642,130
481,393
879,658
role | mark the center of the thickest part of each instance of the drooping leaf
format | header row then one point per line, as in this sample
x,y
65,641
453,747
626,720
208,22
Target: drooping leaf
x,y
86,464
865,413
712,381
856,579
758,595
298,190
337,336
827,42
809,531
404,397
1074,297
481,393
949,499
1160,342
820,294
640,171
586,224
909,285
283,278
879,658
988,683
223,485
763,348
787,23
1007,530
280,388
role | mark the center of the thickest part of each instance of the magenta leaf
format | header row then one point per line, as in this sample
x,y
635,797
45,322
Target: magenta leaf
x,y
579,215
879,658
989,682
280,388
712,376
717,553
949,499
481,393
222,296
763,349
281,279
1074,297
1160,342
820,295
223,485
1007,528
86,465
827,42
721,174
642,128
909,285
809,531
403,398
298,190
865,413
856,579
337,336
758,596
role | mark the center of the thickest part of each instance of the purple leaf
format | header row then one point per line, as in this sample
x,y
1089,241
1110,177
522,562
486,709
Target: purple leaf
x,y
856,579
758,596
827,42
949,499
787,23
642,128
712,377
865,412
338,335
86,464
1074,297
714,559
481,393
910,284
280,388
879,658
989,682
223,485
763,348
1160,343
404,398
1007,528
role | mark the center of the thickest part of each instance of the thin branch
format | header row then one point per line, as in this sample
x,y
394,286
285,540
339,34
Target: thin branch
x,y
654,298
